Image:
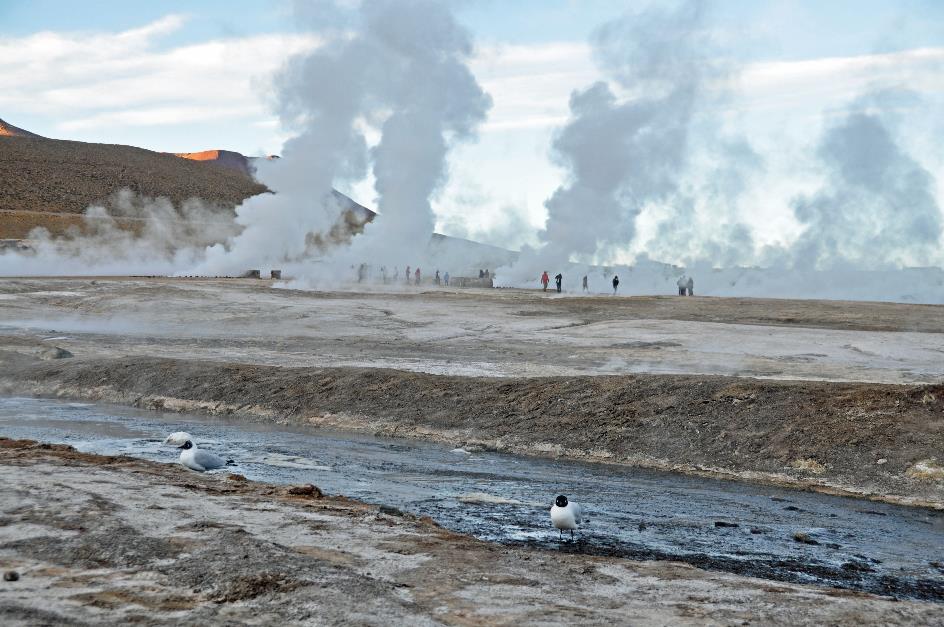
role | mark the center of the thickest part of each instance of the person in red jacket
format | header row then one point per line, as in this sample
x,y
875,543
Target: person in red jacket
x,y
417,276
545,280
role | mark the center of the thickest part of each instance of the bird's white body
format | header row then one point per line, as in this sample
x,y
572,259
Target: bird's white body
x,y
196,459
177,438
567,517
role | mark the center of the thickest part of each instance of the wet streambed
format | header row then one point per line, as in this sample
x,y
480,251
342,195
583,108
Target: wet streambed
x,y
721,525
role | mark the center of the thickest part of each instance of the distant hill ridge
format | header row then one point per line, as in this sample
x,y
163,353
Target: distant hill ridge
x,y
225,159
61,178
8,130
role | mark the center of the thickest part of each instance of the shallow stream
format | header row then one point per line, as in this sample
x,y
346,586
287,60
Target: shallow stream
x,y
720,525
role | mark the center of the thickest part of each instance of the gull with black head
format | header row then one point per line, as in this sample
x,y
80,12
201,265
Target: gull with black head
x,y
198,459
565,515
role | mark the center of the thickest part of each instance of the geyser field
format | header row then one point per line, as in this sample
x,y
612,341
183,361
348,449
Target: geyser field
x,y
274,352
835,397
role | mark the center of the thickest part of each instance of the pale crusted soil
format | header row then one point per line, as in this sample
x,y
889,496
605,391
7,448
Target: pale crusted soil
x,y
104,540
511,333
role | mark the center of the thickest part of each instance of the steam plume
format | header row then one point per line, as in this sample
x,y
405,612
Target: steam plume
x,y
877,206
400,68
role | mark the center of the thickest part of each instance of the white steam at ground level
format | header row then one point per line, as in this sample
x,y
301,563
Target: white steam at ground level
x,y
657,183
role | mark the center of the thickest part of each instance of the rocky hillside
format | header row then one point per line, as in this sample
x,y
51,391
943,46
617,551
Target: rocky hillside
x,y
223,158
57,176
49,182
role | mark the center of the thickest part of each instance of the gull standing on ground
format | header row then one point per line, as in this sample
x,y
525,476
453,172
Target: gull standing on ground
x,y
565,515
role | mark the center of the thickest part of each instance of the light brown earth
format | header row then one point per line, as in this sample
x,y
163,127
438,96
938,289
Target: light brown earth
x,y
110,540
515,371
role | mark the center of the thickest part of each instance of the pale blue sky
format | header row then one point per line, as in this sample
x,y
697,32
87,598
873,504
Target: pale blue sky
x,y
183,76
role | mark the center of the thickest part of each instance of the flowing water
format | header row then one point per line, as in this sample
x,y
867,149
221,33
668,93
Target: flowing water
x,y
719,525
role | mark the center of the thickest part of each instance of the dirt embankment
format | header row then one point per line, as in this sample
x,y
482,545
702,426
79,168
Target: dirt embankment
x,y
112,540
876,441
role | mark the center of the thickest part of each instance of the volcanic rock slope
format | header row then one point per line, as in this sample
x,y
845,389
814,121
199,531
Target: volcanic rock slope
x,y
49,182
58,176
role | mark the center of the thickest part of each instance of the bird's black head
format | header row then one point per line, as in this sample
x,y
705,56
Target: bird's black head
x,y
561,501
186,445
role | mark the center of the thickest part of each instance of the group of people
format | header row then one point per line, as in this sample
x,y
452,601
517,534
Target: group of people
x,y
413,277
559,282
686,285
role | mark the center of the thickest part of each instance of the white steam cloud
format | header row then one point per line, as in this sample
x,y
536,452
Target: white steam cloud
x,y
659,180
877,207
126,234
396,69
627,144
653,174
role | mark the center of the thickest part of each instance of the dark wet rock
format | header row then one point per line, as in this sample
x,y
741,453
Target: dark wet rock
x,y
309,490
236,477
204,525
254,585
804,538
11,575
777,569
647,345
642,526
390,511
871,512
756,530
724,523
859,567
792,508
54,352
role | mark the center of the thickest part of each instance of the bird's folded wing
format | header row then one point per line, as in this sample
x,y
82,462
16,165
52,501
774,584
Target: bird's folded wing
x,y
208,459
